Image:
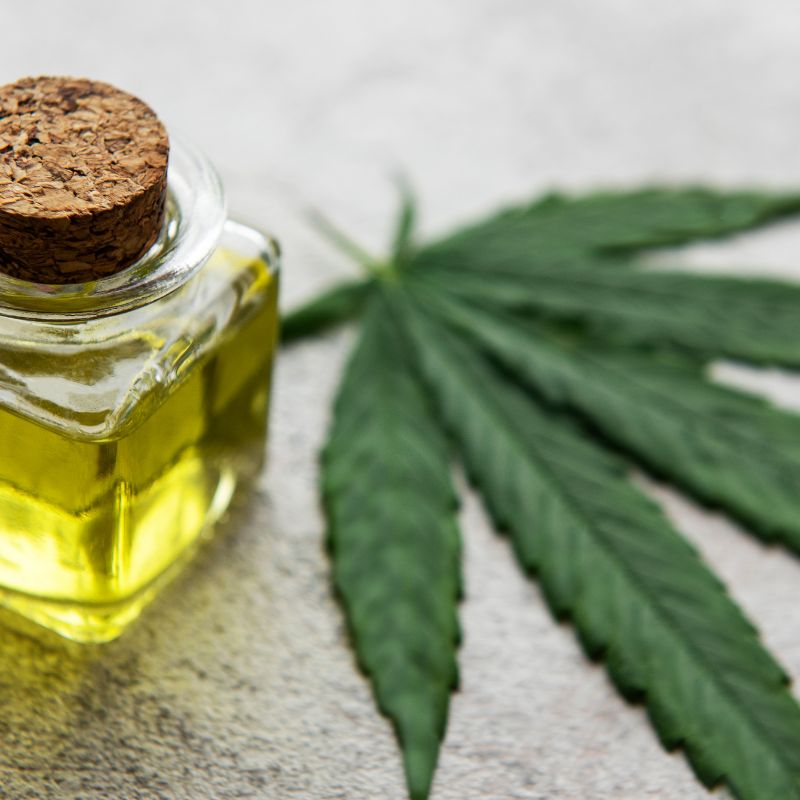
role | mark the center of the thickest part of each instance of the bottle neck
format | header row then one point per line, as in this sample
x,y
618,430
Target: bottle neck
x,y
193,224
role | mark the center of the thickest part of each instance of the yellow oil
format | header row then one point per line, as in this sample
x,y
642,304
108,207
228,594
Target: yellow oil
x,y
91,527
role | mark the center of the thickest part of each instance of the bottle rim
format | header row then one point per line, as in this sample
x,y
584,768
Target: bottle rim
x,y
195,215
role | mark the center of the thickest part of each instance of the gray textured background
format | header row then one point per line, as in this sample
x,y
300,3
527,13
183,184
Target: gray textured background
x,y
238,682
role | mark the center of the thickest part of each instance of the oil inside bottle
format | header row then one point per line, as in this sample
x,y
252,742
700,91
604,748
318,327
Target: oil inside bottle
x,y
94,518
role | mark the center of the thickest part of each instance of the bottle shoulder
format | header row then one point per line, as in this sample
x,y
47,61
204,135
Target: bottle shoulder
x,y
97,378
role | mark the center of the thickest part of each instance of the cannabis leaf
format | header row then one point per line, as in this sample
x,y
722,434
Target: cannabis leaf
x,y
394,541
689,312
724,447
636,591
338,305
526,337
559,231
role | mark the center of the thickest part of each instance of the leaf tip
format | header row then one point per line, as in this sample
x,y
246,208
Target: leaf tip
x,y
420,764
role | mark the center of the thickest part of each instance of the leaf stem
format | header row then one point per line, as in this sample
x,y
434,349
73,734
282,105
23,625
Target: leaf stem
x,y
369,263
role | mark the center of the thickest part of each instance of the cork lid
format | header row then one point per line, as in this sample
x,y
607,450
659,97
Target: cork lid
x,y
83,179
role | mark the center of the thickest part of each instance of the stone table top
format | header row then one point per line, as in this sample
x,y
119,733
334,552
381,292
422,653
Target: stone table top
x,y
239,682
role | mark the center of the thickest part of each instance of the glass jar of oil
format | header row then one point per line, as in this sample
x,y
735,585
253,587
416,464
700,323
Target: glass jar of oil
x,y
131,408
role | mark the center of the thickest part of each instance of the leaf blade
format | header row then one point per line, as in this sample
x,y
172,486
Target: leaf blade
x,y
708,686
560,229
403,238
722,446
749,319
327,310
394,541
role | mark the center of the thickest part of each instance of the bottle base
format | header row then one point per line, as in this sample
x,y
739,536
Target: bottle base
x,y
95,623
92,623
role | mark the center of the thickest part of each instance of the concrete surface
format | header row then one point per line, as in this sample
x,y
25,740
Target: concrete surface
x,y
238,682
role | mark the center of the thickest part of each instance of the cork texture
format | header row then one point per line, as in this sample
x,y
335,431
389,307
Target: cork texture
x,y
83,179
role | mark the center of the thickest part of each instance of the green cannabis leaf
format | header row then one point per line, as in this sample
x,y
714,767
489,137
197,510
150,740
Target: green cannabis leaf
x,y
338,305
722,446
637,592
394,541
560,231
537,340
648,309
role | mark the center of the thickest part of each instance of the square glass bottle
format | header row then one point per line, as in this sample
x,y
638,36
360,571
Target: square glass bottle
x,y
131,407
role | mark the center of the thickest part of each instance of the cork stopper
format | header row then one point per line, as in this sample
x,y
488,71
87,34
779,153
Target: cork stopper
x,y
83,179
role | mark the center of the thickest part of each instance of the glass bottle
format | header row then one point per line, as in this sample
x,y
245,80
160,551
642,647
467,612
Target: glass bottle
x,y
130,410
